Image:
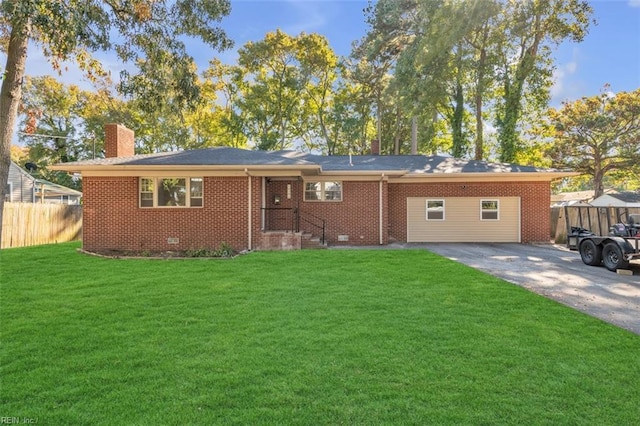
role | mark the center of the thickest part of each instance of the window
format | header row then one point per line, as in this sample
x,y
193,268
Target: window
x,y
8,192
146,192
489,209
435,209
171,192
196,192
323,191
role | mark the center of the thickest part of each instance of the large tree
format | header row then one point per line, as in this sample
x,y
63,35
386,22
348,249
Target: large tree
x,y
286,88
150,35
450,58
531,30
597,136
218,120
51,120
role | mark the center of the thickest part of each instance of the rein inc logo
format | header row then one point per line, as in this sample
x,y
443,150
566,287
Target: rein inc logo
x,y
18,420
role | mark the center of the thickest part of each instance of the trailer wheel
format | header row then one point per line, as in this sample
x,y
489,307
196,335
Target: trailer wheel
x,y
612,257
591,253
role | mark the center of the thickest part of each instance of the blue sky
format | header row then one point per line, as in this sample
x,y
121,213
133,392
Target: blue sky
x,y
610,54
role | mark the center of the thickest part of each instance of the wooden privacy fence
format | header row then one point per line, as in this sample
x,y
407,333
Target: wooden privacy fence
x,y
595,219
28,224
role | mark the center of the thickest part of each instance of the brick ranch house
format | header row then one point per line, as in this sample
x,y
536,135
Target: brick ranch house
x,y
257,200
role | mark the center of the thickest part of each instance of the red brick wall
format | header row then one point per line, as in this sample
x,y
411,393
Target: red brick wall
x,y
357,215
534,203
118,141
277,220
113,220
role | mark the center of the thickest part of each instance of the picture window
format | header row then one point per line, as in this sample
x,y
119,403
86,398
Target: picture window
x,y
171,192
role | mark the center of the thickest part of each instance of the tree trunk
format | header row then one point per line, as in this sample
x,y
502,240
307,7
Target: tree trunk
x,y
457,119
10,96
479,145
414,135
598,177
459,147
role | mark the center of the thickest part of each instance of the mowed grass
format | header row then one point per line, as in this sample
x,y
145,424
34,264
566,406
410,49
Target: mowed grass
x,y
309,337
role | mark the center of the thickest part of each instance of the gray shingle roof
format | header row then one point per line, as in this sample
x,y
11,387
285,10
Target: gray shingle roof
x,y
410,163
227,156
627,197
217,156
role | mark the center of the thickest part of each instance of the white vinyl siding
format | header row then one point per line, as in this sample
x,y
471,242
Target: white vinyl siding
x,y
463,220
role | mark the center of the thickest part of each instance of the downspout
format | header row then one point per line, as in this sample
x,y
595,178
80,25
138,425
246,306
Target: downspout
x,y
250,212
263,204
380,208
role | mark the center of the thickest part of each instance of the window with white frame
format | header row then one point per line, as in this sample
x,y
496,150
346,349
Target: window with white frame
x,y
195,189
146,192
171,192
435,209
323,191
489,210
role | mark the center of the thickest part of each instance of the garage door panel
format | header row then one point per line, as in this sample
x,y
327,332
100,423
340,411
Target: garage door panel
x,y
462,221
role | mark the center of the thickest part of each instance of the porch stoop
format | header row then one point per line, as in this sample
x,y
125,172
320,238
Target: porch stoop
x,y
280,240
287,240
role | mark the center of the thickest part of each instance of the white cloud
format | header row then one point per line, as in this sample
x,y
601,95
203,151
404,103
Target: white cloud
x,y
565,84
312,17
559,77
634,3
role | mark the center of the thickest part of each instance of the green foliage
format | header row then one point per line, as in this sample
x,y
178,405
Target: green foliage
x,y
531,30
150,35
286,88
461,57
597,136
51,114
225,250
306,337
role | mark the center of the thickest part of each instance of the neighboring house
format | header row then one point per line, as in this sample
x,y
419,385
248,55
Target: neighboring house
x,y
571,198
24,188
254,199
620,199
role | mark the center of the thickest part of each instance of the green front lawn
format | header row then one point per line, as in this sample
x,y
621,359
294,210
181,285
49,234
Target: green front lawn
x,y
307,337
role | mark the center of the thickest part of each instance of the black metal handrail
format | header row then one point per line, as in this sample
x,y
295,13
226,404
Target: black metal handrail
x,y
297,216
293,220
314,221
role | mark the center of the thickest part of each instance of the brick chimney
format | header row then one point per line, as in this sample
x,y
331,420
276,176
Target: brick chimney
x,y
375,147
118,141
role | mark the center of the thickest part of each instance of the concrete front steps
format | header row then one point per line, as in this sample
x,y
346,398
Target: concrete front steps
x,y
309,241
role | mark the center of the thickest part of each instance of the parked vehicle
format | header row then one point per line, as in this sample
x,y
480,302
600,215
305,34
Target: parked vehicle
x,y
615,250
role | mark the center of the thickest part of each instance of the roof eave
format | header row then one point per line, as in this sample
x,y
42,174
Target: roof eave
x,y
547,176
114,169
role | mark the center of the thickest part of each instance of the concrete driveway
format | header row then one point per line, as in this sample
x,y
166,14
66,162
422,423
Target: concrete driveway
x,y
556,273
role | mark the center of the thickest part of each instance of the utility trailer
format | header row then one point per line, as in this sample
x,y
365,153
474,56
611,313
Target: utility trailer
x,y
614,250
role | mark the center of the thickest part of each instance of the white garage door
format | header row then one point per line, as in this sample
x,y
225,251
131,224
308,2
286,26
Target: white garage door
x,y
463,219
